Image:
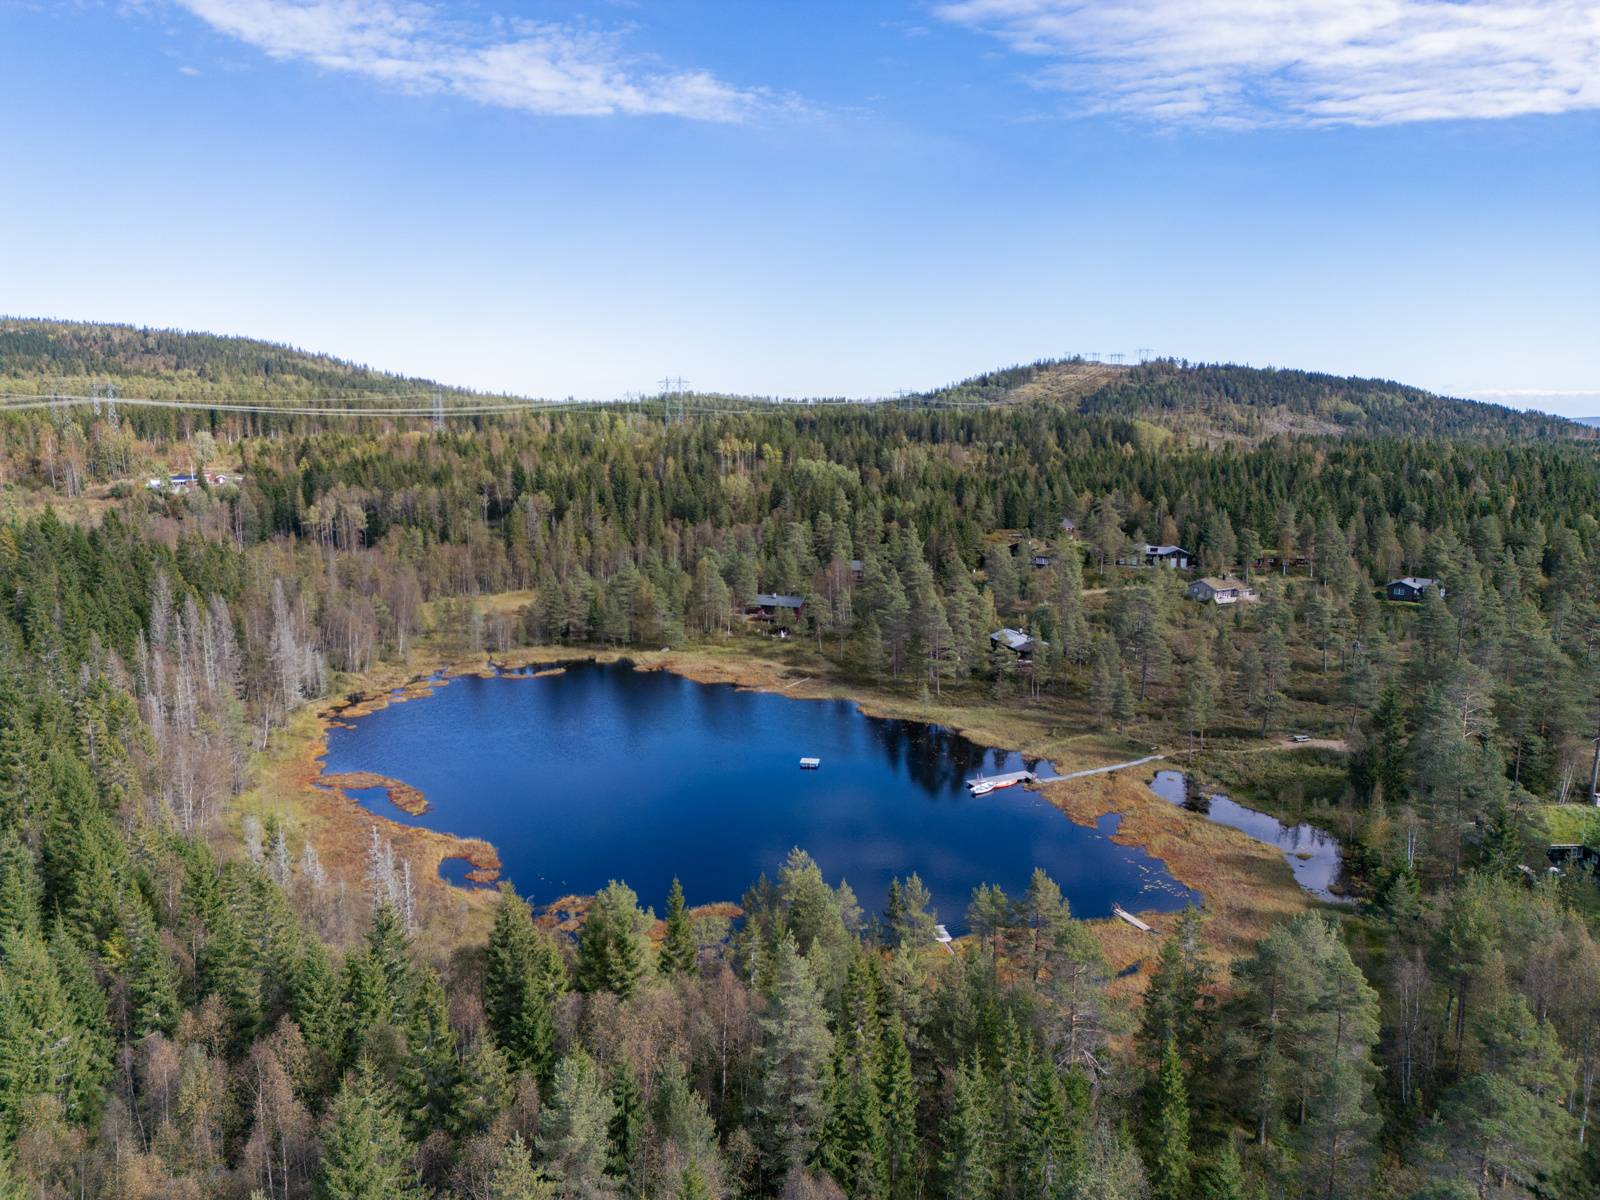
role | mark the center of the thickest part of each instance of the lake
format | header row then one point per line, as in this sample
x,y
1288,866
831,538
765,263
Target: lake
x,y
603,772
1312,853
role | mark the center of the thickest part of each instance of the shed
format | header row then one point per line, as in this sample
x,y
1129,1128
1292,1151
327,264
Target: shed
x,y
1411,588
1014,640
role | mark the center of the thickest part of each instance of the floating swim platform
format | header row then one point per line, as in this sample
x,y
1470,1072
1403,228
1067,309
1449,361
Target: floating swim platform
x,y
810,764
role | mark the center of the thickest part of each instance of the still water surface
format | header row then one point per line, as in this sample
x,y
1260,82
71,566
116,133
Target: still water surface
x,y
605,773
1312,853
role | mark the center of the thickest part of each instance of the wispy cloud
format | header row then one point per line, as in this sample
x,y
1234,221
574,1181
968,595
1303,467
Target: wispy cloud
x,y
1324,62
538,68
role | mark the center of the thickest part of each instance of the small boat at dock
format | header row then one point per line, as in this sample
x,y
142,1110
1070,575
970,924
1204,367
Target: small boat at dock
x,y
982,785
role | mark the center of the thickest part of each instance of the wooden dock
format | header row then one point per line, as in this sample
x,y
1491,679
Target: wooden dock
x,y
1127,916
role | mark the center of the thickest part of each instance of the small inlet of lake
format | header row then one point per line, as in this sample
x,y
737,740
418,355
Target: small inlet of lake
x,y
1312,853
603,772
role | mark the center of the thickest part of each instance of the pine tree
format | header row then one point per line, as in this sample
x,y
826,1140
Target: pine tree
x,y
679,954
1199,695
1169,1164
363,1150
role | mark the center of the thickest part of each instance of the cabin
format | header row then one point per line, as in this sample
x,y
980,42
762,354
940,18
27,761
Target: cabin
x,y
1411,588
857,571
1147,555
1215,589
1014,640
1069,527
187,483
767,607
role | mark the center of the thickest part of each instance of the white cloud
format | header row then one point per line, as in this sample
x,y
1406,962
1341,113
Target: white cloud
x,y
538,68
1321,62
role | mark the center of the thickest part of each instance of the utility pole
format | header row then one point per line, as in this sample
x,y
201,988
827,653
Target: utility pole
x,y
438,413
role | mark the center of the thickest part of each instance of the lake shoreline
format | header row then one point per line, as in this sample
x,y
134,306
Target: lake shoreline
x,y
1247,886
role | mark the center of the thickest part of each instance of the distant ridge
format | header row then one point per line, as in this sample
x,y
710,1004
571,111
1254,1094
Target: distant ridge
x,y
1208,402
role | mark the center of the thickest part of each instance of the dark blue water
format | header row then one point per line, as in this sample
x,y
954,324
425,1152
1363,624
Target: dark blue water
x,y
609,773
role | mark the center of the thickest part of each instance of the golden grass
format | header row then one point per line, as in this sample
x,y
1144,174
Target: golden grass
x,y
1247,885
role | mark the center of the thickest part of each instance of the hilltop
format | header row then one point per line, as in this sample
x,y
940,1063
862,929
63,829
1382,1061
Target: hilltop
x,y
168,364
1224,401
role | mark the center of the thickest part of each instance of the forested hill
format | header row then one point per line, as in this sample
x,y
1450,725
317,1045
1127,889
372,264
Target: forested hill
x,y
166,364
1211,402
1228,401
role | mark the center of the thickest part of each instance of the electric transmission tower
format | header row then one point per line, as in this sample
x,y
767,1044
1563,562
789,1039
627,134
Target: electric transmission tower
x,y
672,390
1144,353
438,413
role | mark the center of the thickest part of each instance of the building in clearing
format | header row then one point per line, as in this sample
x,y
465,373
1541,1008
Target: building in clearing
x,y
1411,588
1014,640
1146,555
766,607
1220,590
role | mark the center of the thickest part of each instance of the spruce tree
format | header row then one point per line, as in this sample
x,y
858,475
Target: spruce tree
x,y
1224,1178
966,1161
517,1178
626,1131
523,974
796,1055
1051,1144
1123,708
574,1125
1169,1132
897,1101
363,1150
679,954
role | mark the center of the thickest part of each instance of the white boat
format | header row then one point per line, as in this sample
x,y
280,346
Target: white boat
x,y
810,764
979,787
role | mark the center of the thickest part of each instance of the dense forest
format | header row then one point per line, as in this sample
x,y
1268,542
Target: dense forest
x,y
194,1006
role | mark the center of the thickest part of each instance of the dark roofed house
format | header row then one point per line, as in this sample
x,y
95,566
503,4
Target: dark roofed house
x,y
1168,556
767,606
857,571
1411,588
1014,640
1068,525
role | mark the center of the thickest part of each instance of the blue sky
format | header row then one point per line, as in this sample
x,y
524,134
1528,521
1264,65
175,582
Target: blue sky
x,y
820,198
